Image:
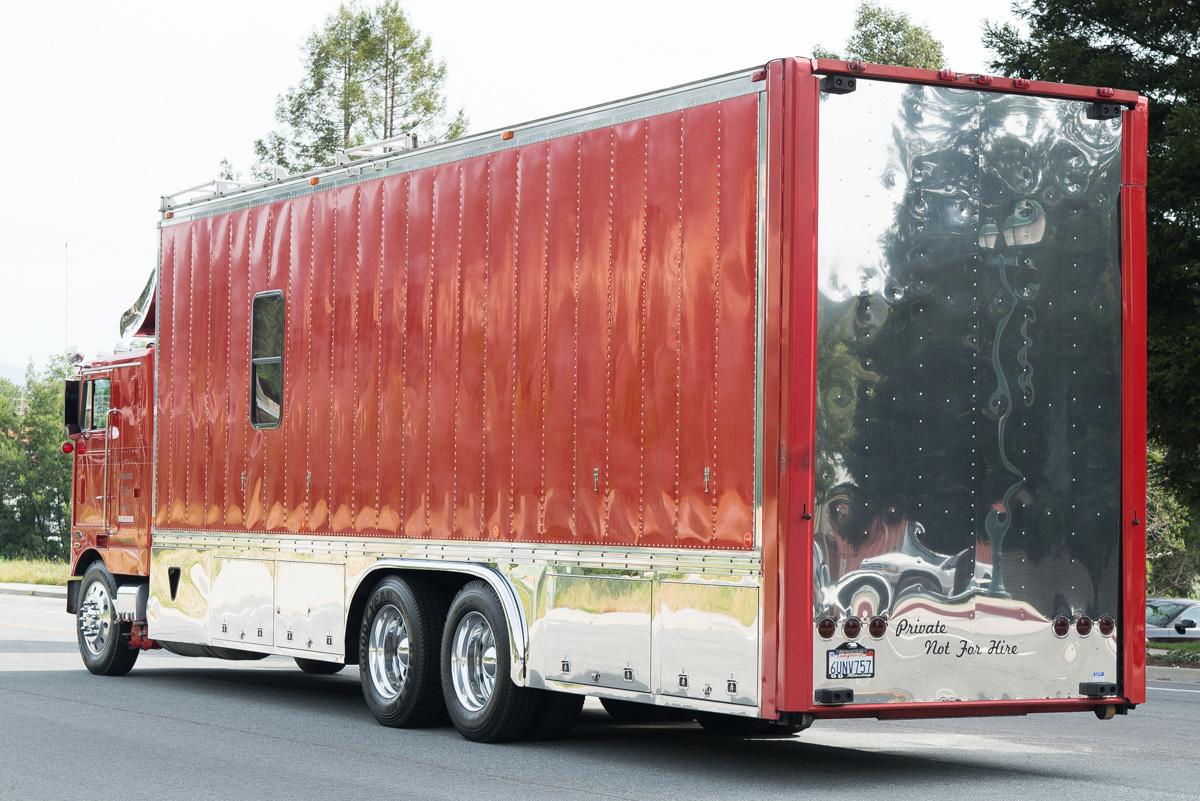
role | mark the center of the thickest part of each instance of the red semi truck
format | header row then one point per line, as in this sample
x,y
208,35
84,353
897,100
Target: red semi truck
x,y
815,390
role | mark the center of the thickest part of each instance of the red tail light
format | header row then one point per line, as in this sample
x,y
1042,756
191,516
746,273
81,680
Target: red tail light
x,y
852,627
877,627
1083,625
1061,626
1107,625
68,447
826,628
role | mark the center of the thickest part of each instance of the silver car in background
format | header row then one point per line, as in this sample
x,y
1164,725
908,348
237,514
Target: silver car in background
x,y
1170,619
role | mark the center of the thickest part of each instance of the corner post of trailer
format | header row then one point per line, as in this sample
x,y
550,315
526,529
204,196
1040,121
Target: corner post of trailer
x,y
1135,132
799,346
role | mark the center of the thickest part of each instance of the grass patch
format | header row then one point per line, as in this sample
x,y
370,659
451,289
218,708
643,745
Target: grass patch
x,y
33,571
1174,654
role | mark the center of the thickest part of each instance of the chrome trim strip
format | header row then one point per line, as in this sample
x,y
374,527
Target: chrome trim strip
x,y
104,368
614,113
596,556
154,390
760,319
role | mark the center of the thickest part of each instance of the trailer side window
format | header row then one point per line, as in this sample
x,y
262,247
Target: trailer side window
x,y
266,361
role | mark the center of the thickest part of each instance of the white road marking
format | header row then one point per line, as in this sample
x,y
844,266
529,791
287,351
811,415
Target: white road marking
x,y
1172,690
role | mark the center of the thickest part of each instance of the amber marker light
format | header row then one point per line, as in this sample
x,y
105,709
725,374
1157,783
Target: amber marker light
x,y
506,136
826,628
852,627
1061,626
314,181
1106,625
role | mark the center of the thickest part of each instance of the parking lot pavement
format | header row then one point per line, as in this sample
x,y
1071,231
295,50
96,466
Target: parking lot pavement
x,y
206,729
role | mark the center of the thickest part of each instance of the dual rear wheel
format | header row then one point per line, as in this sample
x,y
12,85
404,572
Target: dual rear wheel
x,y
421,660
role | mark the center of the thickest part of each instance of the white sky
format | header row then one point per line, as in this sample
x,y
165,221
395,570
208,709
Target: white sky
x,y
109,105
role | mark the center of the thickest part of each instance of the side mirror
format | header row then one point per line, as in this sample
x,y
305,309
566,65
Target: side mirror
x,y
71,406
1183,625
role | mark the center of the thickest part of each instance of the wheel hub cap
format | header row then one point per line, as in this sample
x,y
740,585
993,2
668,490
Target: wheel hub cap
x,y
389,653
96,618
473,661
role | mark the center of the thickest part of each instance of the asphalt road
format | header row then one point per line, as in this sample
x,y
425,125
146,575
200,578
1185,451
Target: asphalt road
x,y
206,729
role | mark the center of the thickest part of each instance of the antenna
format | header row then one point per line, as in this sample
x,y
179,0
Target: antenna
x,y
66,289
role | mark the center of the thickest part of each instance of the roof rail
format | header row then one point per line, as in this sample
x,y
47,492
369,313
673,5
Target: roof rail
x,y
210,190
205,191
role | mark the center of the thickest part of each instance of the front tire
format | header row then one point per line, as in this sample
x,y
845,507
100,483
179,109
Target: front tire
x,y
483,702
398,653
103,639
316,667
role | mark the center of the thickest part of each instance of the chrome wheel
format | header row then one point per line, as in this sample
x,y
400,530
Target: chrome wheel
x,y
473,661
97,618
389,652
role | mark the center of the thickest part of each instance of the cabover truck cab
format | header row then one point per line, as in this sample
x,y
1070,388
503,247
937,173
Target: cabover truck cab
x,y
815,390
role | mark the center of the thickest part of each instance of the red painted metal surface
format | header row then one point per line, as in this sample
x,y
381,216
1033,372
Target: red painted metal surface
x,y
961,709
1133,424
885,72
799,349
552,343
119,530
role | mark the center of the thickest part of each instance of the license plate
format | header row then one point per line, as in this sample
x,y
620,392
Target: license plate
x,y
850,663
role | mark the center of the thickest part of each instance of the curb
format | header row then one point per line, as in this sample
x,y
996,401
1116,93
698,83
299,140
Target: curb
x,y
35,590
1154,673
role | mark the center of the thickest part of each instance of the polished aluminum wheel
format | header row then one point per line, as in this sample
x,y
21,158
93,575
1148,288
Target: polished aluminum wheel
x,y
97,618
390,652
473,661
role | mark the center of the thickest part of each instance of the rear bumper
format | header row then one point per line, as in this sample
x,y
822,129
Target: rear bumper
x,y
965,709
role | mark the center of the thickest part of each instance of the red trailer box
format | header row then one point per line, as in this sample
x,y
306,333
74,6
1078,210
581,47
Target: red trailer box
x,y
816,390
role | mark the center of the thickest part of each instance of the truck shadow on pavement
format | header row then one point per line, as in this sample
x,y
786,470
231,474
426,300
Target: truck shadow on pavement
x,y
334,702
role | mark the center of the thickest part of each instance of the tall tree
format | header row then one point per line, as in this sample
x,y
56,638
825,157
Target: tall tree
x,y
884,36
1154,48
368,74
35,477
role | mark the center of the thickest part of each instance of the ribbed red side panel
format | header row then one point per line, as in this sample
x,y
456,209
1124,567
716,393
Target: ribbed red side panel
x,y
551,343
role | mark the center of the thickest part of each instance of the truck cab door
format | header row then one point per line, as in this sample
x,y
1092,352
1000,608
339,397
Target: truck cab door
x,y
128,467
91,466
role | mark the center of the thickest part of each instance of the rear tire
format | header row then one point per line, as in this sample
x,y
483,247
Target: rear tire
x,y
103,639
483,702
398,653
554,716
318,668
734,726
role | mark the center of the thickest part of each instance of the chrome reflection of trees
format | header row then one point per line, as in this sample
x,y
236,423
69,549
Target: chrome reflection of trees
x,y
974,385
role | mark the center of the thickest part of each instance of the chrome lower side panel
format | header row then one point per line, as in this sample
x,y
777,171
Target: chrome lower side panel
x,y
617,623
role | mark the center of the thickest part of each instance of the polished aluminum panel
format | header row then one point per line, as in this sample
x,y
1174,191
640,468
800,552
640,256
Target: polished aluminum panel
x,y
181,615
707,638
310,606
594,606
969,384
243,592
596,630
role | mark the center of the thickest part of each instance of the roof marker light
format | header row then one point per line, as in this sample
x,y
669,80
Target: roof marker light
x,y
314,181
504,137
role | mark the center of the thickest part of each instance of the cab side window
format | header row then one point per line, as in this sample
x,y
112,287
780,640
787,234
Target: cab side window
x,y
266,361
97,401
